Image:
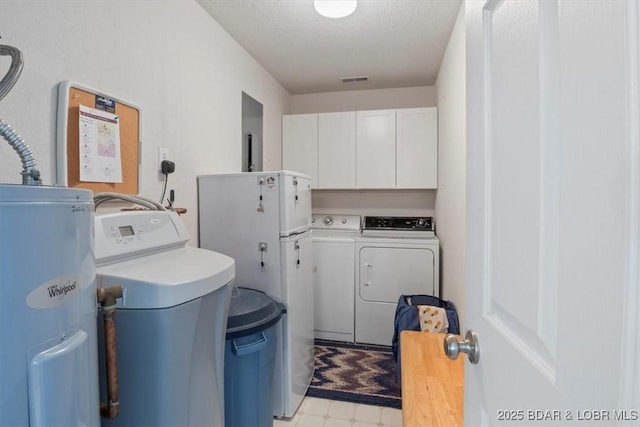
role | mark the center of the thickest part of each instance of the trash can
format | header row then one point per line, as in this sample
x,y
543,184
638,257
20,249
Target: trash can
x,y
249,358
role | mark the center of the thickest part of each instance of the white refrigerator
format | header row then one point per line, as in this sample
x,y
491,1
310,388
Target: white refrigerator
x,y
262,220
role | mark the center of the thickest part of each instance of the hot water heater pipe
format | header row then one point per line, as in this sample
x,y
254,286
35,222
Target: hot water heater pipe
x,y
107,300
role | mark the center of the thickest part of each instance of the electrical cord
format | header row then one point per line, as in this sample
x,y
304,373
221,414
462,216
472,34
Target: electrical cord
x,y
164,190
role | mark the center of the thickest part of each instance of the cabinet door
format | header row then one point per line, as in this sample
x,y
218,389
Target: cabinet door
x,y
300,145
337,150
376,149
417,148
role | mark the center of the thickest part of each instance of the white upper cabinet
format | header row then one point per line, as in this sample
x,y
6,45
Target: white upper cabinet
x,y
417,148
364,149
337,150
376,149
300,145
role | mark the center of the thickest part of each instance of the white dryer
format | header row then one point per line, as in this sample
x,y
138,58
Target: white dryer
x,y
334,275
394,256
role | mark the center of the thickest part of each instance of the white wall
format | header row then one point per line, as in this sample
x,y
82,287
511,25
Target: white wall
x,y
374,202
171,58
353,100
450,200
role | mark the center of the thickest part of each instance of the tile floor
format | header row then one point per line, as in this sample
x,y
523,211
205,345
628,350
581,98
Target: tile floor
x,y
314,412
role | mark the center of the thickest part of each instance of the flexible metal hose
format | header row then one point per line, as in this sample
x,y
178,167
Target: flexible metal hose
x,y
100,198
10,79
30,172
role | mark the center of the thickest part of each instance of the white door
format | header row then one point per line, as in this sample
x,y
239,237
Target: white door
x,y
300,145
334,283
417,147
386,271
295,202
376,149
297,270
337,150
552,211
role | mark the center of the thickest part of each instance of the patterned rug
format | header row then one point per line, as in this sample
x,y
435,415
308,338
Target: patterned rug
x,y
355,373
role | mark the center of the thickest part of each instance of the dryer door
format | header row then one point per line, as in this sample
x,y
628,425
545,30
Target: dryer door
x,y
387,273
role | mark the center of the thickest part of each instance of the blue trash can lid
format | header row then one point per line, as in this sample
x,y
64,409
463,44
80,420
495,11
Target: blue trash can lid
x,y
251,311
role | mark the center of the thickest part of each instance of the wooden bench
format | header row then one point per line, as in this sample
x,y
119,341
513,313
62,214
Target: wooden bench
x,y
432,384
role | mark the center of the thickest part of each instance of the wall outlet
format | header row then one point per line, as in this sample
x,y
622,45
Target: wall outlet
x,y
163,154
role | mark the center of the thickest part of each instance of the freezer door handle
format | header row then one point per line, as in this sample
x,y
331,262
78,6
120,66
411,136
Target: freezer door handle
x,y
295,185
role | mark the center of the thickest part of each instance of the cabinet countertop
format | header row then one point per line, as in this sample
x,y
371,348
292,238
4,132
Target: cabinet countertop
x,y
432,384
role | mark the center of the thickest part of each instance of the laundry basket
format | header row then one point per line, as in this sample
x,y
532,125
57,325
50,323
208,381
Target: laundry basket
x,y
250,352
407,318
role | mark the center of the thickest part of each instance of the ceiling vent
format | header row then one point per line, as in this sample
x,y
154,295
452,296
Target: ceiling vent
x,y
354,79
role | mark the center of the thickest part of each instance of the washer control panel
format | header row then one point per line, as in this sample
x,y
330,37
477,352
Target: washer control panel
x,y
335,222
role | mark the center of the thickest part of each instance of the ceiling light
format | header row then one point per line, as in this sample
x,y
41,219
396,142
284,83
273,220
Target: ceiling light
x,y
335,8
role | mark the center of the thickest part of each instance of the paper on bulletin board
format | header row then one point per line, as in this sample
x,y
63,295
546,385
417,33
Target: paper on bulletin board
x,y
100,159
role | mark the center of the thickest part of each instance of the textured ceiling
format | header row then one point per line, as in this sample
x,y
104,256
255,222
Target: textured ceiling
x,y
397,43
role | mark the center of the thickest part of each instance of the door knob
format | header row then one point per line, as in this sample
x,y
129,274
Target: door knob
x,y
470,346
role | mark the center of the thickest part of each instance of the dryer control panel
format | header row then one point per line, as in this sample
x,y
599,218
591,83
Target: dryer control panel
x,y
409,226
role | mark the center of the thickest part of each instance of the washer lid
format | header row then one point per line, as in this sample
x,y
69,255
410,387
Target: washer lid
x,y
251,311
168,278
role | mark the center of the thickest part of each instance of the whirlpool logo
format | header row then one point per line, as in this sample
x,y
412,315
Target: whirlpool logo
x,y
60,291
54,292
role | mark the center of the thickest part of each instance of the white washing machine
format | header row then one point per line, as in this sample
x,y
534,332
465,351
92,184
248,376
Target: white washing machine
x,y
394,256
334,275
171,322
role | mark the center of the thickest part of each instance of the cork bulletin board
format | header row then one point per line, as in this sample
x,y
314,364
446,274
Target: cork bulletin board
x,y
71,96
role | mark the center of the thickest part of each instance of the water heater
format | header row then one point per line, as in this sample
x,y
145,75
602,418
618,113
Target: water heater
x,y
48,337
